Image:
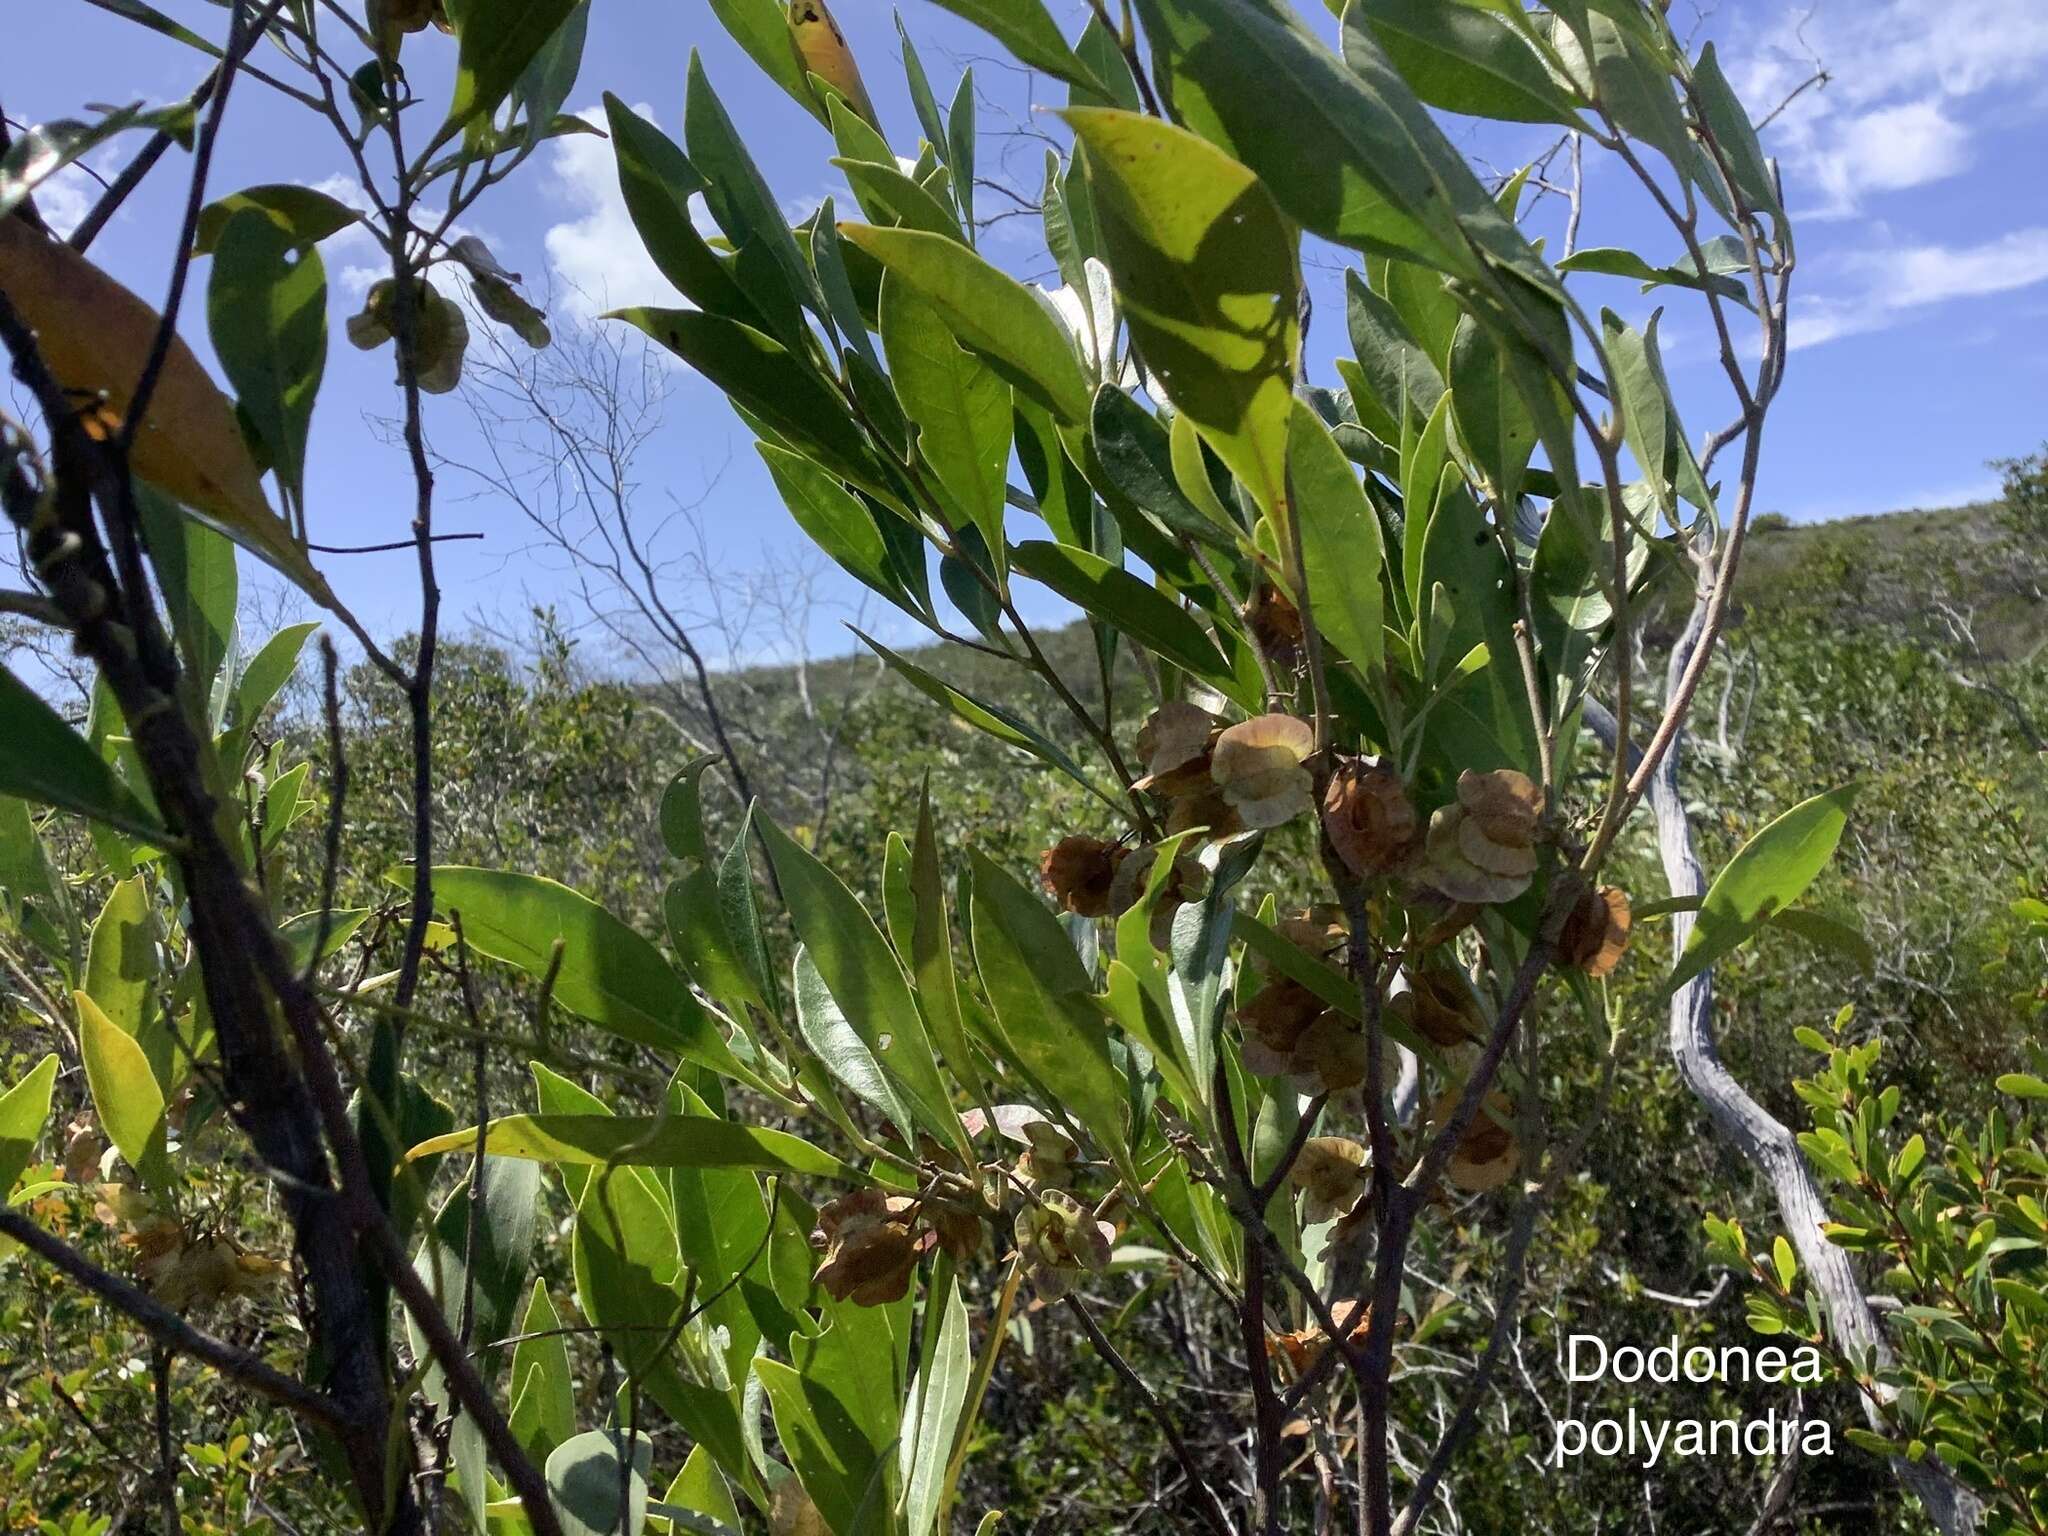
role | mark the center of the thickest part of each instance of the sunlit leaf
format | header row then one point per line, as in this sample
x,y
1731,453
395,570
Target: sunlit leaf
x,y
863,978
608,974
1767,874
1027,29
1206,271
24,1110
124,1092
988,310
667,1141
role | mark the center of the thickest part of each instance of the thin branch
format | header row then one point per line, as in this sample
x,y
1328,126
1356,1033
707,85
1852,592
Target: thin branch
x,y
169,1330
1211,1505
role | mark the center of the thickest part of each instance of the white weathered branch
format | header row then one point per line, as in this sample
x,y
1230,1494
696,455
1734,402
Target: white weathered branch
x,y
1765,1142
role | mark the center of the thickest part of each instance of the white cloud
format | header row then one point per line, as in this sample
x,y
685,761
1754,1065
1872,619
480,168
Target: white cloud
x,y
65,199
1887,118
1888,150
1891,284
597,256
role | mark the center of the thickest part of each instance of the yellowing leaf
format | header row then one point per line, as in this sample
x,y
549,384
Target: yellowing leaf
x,y
96,337
822,47
124,1091
24,1109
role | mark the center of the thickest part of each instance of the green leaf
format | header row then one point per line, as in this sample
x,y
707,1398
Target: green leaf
x,y
1206,270
740,906
863,977
738,195
44,761
1469,58
835,1409
125,1093
656,181
195,566
960,147
1631,84
1424,458
1728,121
922,100
609,974
767,381
2023,1085
304,213
835,520
585,1475
1768,873
700,1489
24,1110
1137,454
681,815
828,259
1134,605
994,719
1655,435
960,408
761,27
931,949
1041,999
1403,382
497,40
839,1048
696,927
885,193
120,959
1615,262
503,1249
1494,423
663,1141
931,1412
1382,176
543,87
987,310
1784,1261
542,1393
266,311
1027,29
1340,540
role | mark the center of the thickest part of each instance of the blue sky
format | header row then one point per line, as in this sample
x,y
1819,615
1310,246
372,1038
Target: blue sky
x,y
1921,307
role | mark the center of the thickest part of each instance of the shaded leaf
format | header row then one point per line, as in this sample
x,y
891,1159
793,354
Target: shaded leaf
x,y
266,312
1469,58
497,40
44,761
1340,540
